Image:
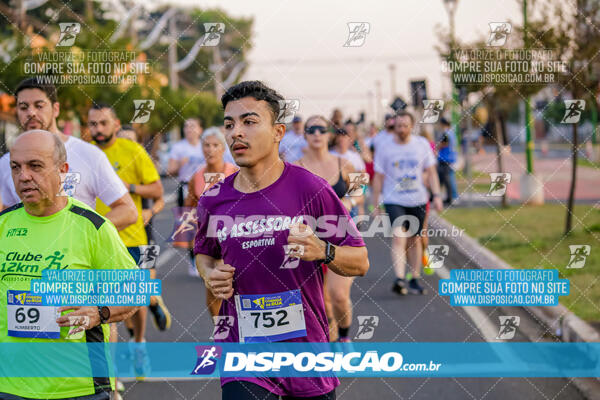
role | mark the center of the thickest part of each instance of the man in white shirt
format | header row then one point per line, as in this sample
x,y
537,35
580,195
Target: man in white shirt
x,y
399,173
186,156
93,176
292,145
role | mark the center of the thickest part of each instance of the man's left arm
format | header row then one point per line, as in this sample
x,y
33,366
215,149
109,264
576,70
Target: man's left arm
x,y
108,252
348,260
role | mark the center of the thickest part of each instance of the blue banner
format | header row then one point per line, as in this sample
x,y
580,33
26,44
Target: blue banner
x,y
171,360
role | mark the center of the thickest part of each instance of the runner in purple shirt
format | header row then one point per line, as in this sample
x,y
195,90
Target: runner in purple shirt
x,y
261,223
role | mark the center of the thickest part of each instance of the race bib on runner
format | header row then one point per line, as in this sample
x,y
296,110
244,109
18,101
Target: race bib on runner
x,y
407,183
270,317
28,318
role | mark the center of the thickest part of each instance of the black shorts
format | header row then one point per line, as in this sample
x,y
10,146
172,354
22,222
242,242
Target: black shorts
x,y
242,390
396,211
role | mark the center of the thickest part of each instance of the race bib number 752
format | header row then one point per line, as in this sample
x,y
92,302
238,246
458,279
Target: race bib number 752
x,y
270,317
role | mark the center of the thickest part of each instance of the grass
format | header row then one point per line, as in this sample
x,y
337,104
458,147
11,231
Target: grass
x,y
584,162
532,237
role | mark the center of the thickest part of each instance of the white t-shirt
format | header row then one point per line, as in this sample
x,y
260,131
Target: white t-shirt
x,y
184,149
402,166
97,176
291,146
354,158
381,139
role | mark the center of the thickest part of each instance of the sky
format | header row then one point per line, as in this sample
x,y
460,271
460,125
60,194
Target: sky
x,y
297,47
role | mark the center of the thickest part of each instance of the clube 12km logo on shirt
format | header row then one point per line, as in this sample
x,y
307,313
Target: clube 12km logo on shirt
x,y
369,361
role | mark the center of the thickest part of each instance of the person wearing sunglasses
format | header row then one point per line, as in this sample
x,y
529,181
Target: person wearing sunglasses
x,y
336,171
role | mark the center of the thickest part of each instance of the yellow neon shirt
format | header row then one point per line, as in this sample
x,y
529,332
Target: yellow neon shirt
x,y
133,165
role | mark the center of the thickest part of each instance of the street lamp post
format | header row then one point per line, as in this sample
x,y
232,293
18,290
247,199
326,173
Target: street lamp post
x,y
450,6
532,188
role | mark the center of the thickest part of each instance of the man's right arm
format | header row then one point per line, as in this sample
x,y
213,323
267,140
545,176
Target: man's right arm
x,y
377,186
218,277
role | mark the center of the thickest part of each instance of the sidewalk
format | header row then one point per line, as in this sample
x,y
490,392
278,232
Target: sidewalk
x,y
554,172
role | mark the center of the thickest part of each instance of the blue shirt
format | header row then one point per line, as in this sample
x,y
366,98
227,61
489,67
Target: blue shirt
x,y
448,153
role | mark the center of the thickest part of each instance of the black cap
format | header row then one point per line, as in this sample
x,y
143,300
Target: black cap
x,y
444,121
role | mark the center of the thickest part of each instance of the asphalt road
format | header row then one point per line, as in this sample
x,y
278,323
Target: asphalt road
x,y
428,318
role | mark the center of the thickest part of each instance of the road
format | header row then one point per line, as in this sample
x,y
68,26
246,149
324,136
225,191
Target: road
x,y
428,318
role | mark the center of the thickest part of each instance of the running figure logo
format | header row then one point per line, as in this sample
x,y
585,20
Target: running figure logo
x,y
148,256
358,180
508,327
207,359
366,326
143,108
287,109
432,109
68,33
499,183
223,325
214,30
291,258
357,33
579,253
186,224
437,255
573,110
68,183
499,32
55,260
210,183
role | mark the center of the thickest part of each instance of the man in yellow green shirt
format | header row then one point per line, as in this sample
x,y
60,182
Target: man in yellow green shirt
x,y
50,231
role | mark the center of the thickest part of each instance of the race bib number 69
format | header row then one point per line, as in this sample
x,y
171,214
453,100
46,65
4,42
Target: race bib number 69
x,y
28,318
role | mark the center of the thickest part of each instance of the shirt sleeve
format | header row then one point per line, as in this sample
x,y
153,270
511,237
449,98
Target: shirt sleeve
x,y
206,239
346,233
174,153
109,187
429,156
147,170
379,161
8,195
110,251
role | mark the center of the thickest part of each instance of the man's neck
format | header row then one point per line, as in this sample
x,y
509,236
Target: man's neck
x,y
108,144
46,209
194,142
255,178
403,141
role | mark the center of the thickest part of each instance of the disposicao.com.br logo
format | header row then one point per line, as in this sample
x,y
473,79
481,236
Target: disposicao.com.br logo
x,y
370,361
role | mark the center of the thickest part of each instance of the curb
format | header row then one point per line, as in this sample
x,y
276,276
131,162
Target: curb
x,y
557,319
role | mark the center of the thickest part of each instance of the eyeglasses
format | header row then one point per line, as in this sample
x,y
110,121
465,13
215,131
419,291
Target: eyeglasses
x,y
313,129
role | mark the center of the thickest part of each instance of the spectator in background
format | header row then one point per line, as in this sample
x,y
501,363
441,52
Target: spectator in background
x,y
186,156
446,149
291,147
385,135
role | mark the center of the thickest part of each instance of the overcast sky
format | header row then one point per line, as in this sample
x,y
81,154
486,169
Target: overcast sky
x,y
298,46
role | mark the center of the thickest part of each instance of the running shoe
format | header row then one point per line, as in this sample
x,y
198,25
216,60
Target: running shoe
x,y
193,271
414,287
160,312
400,287
141,361
427,270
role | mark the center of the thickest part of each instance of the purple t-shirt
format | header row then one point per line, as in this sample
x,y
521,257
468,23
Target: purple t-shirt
x,y
249,232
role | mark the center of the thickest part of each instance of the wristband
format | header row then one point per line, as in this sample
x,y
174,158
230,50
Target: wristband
x,y
132,188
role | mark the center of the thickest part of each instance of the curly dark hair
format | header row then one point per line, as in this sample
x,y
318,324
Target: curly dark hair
x,y
258,91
